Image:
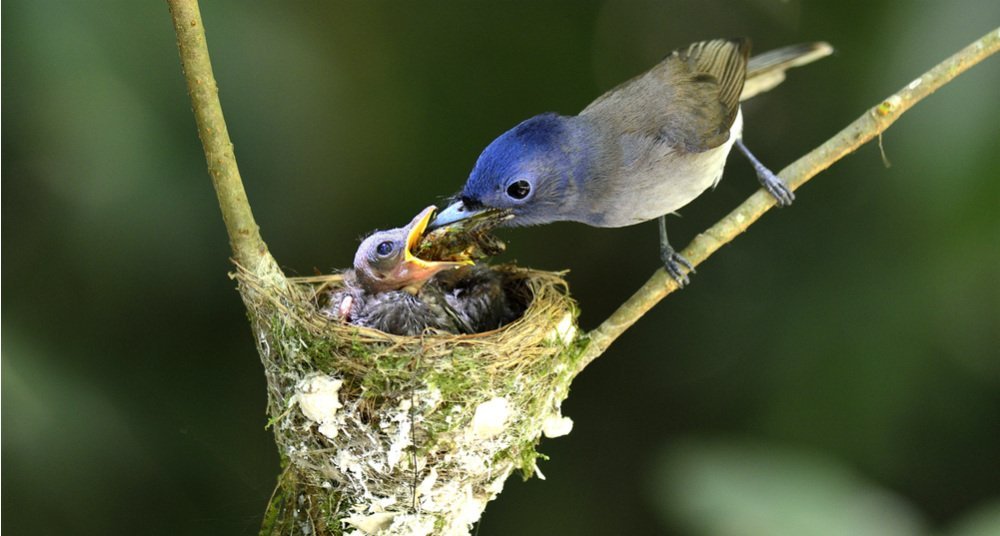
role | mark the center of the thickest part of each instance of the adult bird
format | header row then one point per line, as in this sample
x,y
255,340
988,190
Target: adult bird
x,y
639,152
392,290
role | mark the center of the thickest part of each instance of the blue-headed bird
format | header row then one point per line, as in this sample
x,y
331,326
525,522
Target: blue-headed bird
x,y
639,152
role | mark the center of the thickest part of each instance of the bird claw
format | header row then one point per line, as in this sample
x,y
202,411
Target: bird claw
x,y
777,188
771,182
673,263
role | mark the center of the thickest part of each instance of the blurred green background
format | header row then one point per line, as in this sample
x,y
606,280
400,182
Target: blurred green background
x,y
834,371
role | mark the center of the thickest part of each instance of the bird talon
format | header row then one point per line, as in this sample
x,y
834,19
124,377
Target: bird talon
x,y
778,190
771,182
672,263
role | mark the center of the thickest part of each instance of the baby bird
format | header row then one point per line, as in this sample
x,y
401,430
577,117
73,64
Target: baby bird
x,y
385,260
478,297
640,151
383,290
392,290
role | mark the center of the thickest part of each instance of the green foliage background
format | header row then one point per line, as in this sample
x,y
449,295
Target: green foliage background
x,y
834,371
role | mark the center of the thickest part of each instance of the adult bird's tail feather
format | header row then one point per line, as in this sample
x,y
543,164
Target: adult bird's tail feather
x,y
767,70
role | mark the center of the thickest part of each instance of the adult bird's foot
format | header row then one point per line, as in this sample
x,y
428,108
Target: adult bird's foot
x,y
674,263
774,185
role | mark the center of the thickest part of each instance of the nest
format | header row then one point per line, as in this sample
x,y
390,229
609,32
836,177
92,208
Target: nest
x,y
385,434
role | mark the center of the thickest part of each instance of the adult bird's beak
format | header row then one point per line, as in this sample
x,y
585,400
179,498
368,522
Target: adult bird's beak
x,y
414,269
454,212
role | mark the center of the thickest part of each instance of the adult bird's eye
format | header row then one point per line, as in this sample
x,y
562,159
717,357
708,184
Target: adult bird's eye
x,y
519,189
384,248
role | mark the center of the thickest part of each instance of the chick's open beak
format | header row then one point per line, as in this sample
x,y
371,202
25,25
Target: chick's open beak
x,y
414,269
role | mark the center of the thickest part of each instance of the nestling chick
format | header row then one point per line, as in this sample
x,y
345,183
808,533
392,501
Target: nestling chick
x,y
385,260
478,296
392,290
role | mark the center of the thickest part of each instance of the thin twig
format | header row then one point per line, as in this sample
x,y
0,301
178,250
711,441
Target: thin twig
x,y
248,247
861,131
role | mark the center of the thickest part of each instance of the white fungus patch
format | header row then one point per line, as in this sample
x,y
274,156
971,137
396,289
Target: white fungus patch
x,y
468,510
318,398
371,524
403,438
565,331
347,463
490,417
538,473
557,426
412,525
398,446
472,463
427,484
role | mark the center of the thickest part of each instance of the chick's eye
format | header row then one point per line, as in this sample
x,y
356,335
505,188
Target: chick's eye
x,y
519,189
384,248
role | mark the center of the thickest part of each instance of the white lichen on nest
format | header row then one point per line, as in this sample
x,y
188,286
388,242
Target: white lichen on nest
x,y
408,435
490,417
317,397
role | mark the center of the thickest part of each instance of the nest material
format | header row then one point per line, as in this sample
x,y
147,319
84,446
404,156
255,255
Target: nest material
x,y
385,434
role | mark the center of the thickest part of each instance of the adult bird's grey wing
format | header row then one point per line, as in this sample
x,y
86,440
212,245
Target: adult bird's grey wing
x,y
690,99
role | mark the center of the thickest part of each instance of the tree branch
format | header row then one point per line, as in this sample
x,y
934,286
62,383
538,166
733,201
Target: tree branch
x,y
370,378
249,249
861,131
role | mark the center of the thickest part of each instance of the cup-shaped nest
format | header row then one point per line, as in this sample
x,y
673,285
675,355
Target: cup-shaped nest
x,y
385,434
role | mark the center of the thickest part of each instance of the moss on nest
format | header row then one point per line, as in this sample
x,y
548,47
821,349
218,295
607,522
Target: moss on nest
x,y
385,434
